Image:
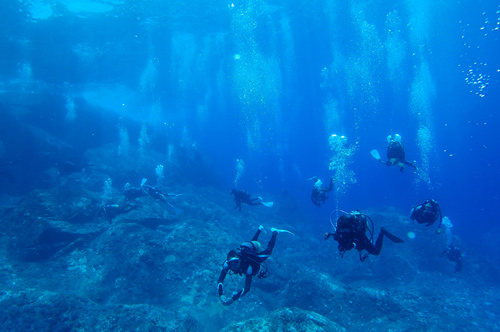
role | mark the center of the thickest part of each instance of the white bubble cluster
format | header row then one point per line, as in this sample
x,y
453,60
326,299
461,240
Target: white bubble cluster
x,y
477,80
342,154
240,169
476,71
160,175
426,146
107,191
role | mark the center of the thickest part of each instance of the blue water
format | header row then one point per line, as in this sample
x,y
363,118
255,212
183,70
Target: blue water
x,y
268,82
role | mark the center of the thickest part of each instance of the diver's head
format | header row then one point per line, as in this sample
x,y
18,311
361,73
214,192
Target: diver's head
x,y
395,138
318,184
233,260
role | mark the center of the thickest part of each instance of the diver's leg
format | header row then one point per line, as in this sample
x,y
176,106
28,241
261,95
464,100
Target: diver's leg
x,y
390,236
375,249
256,236
255,201
270,246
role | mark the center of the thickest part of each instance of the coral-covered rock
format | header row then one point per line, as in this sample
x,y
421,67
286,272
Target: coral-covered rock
x,y
288,319
32,310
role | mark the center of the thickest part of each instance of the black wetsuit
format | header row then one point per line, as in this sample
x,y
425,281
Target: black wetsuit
x,y
318,194
155,193
133,193
110,211
351,233
427,212
249,266
396,155
241,196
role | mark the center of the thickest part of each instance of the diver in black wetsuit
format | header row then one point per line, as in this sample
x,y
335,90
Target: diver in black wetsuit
x,y
427,212
145,190
246,260
396,153
318,194
350,233
455,255
241,196
133,192
111,211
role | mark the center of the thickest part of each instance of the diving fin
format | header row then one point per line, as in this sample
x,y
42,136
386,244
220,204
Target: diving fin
x,y
281,231
262,229
390,236
268,204
375,154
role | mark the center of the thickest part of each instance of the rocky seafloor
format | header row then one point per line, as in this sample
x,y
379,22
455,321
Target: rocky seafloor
x,y
155,267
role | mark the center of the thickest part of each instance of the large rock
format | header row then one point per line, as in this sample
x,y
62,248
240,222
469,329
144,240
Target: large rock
x,y
31,310
49,222
285,320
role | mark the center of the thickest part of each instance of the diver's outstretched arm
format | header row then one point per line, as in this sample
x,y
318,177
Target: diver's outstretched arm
x,y
246,289
410,164
220,282
328,235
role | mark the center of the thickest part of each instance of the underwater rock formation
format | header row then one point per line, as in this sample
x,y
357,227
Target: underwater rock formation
x,y
33,310
288,319
154,267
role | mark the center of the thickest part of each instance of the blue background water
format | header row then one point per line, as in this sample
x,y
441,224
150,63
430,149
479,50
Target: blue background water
x,y
268,82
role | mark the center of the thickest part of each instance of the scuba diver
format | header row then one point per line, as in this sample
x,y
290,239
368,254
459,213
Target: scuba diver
x,y
395,153
241,196
318,194
247,260
132,193
145,190
427,212
110,211
157,193
454,255
350,233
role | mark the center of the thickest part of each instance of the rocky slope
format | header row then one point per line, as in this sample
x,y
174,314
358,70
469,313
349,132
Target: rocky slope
x,y
154,267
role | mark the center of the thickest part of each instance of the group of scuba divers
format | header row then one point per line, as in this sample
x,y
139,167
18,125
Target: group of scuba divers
x,y
353,230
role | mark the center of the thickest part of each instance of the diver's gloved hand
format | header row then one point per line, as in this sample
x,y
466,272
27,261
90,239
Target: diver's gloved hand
x,y
226,301
327,235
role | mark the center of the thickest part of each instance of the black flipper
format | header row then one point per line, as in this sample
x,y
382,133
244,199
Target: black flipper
x,y
391,237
